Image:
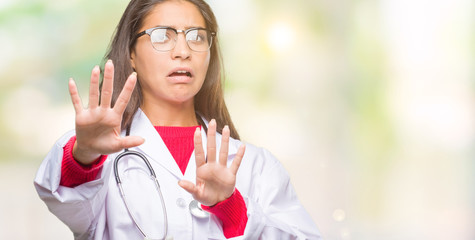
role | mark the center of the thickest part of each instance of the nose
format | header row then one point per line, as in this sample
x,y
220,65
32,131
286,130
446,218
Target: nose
x,y
181,49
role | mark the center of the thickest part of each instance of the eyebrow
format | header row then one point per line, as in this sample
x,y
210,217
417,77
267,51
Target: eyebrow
x,y
174,27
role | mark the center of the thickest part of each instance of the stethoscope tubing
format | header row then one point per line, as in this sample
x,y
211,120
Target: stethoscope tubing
x,y
157,185
195,209
128,152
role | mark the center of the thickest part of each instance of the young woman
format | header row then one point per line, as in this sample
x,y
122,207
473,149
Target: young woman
x,y
156,144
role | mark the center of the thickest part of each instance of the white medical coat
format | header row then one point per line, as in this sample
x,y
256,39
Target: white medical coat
x,y
95,210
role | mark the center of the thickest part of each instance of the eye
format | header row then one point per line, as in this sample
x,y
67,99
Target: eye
x,y
196,36
160,36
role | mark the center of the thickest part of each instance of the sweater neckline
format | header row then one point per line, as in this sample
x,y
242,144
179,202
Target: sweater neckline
x,y
176,131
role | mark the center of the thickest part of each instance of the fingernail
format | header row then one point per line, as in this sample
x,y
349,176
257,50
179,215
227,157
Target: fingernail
x,y
134,73
109,61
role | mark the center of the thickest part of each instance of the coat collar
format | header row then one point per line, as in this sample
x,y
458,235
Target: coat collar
x,y
156,150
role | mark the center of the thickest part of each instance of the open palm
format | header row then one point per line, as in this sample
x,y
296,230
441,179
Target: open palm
x,y
214,180
98,125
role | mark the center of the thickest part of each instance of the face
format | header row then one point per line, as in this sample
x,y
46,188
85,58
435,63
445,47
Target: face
x,y
177,75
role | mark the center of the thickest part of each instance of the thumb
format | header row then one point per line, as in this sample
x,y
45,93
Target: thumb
x,y
187,185
132,141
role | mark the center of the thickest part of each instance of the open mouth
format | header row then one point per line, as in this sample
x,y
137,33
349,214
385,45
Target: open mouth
x,y
180,73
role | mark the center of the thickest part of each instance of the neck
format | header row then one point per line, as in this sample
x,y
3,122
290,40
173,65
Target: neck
x,y
170,114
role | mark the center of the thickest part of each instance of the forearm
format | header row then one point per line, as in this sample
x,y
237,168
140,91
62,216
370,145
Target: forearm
x,y
72,172
233,214
74,206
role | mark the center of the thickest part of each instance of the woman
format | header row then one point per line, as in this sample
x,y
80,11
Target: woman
x,y
161,86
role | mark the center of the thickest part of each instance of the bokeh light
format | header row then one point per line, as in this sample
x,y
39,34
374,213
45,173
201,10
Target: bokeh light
x,y
281,36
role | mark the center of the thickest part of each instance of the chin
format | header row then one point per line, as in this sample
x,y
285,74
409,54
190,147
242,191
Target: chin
x,y
181,99
182,94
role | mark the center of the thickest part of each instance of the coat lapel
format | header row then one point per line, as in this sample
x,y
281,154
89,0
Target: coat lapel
x,y
156,150
153,147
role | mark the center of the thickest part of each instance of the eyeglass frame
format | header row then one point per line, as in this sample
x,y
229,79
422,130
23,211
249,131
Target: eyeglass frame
x,y
177,31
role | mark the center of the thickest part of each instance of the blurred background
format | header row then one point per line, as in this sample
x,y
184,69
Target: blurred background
x,y
369,105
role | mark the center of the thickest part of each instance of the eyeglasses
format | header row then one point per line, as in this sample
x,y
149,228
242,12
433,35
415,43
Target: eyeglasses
x,y
164,38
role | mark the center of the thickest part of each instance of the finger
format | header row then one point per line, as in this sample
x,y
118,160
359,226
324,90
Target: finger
x,y
107,84
125,94
94,88
73,91
223,151
188,186
211,153
199,152
237,159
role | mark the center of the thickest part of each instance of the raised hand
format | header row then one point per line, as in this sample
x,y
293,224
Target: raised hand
x,y
98,125
214,180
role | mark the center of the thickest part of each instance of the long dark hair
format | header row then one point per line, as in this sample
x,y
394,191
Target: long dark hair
x,y
209,101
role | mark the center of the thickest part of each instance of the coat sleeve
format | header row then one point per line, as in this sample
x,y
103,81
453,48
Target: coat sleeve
x,y
77,207
273,209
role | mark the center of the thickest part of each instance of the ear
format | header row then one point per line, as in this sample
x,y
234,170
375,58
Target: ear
x,y
132,57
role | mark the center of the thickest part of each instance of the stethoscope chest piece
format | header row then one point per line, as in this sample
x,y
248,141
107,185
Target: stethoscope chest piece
x,y
197,211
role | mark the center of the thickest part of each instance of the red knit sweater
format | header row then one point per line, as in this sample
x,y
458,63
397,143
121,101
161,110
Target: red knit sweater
x,y
179,140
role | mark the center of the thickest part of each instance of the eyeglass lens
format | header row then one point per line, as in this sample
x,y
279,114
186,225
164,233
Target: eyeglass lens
x,y
164,39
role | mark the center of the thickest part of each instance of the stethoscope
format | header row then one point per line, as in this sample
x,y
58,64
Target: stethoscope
x,y
194,207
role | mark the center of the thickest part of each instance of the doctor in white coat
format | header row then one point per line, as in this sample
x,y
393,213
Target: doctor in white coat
x,y
164,70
